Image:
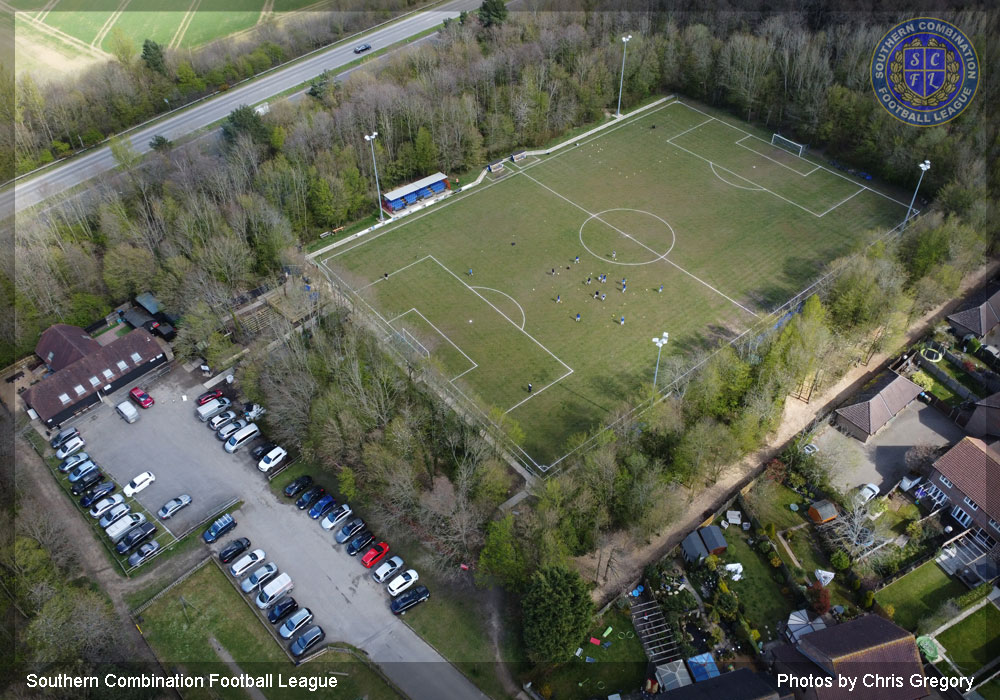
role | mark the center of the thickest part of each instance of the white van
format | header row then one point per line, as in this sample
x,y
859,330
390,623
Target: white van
x,y
281,585
212,409
117,529
242,437
127,411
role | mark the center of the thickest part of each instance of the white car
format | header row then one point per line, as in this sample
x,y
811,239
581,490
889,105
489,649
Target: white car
x,y
105,504
402,582
272,459
336,516
72,446
223,419
387,569
241,565
866,493
138,484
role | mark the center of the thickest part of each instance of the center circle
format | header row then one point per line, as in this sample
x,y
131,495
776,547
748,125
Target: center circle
x,y
627,236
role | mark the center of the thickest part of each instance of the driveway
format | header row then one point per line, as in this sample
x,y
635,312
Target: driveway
x,y
882,460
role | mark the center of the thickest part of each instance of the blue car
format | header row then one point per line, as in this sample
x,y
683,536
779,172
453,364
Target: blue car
x,y
322,507
219,528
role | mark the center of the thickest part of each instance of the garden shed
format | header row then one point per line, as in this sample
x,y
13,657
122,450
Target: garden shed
x,y
714,541
822,511
693,548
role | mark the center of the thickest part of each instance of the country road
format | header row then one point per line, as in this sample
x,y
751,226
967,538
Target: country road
x,y
78,170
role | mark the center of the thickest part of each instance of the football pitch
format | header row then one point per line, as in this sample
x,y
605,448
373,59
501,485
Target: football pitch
x,y
703,229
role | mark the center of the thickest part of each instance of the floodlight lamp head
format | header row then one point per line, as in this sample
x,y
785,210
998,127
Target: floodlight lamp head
x,y
626,38
925,166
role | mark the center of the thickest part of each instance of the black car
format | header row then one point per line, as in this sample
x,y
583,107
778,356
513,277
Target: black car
x,y
406,600
262,449
360,542
134,537
310,496
282,609
298,485
233,549
62,437
86,482
307,640
361,48
353,527
105,488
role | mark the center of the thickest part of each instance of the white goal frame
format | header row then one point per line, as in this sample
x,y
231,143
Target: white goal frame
x,y
786,144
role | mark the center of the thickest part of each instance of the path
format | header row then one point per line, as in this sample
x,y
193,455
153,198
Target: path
x,y
781,538
175,40
106,27
494,603
228,659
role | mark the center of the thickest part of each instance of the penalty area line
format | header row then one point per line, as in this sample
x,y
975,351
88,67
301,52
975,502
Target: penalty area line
x,y
533,394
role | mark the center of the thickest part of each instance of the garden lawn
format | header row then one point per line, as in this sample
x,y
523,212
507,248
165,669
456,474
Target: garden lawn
x,y
919,594
811,557
990,691
765,606
975,641
769,502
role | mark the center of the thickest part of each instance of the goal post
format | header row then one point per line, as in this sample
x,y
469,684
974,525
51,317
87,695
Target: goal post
x,y
788,145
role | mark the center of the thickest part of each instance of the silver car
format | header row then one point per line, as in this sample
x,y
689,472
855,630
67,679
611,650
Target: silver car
x,y
73,461
228,429
259,577
224,418
293,624
173,505
387,568
115,513
105,504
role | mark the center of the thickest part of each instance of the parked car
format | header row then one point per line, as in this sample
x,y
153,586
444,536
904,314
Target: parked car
x,y
272,459
128,412
62,437
353,527
308,639
170,508
118,529
298,486
293,624
243,564
134,537
375,554
140,397
105,504
228,429
259,577
212,409
208,396
137,484
272,590
222,420
810,449
865,493
233,549
387,568
336,516
310,496
412,597
86,482
72,461
145,552
402,582
241,437
81,471
97,493
360,541
115,512
282,609
220,527
361,48
262,449
71,446
322,507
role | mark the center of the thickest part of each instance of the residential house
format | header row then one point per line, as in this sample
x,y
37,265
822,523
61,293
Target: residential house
x,y
965,478
741,684
980,318
985,418
876,405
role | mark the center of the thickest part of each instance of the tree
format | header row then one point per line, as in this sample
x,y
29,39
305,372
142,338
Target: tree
x,y
840,560
245,120
161,144
346,484
152,56
492,13
557,612
819,596
425,154
501,557
124,153
126,270
122,47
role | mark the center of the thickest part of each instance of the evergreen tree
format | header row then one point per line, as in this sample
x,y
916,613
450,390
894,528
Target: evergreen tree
x,y
152,56
501,557
492,12
557,612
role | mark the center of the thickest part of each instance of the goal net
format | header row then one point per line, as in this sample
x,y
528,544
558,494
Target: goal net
x,y
788,145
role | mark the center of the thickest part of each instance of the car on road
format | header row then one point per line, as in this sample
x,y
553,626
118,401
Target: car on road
x,y
145,552
62,437
407,600
361,48
228,429
360,541
402,582
222,420
71,462
272,459
309,638
375,554
233,549
322,507
170,508
259,577
262,449
349,530
282,609
140,397
97,493
86,482
293,624
134,537
865,493
208,396
297,486
80,471
220,527
310,496
105,504
387,568
243,564
114,513
137,484
71,446
336,516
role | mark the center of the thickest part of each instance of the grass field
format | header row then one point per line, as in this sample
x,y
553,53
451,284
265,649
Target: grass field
x,y
81,19
973,642
150,19
217,18
730,226
919,594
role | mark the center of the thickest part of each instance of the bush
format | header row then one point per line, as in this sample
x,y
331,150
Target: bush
x,y
769,530
914,530
819,596
840,560
889,611
869,598
775,561
974,596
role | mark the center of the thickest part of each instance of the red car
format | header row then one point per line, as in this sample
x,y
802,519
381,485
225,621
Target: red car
x,y
209,396
375,554
141,397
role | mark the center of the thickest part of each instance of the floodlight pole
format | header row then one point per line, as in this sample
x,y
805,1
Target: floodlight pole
x,y
659,343
378,192
621,82
924,167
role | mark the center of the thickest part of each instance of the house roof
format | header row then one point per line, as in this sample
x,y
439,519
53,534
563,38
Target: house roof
x,y
74,381
877,404
974,468
62,345
990,401
742,684
981,318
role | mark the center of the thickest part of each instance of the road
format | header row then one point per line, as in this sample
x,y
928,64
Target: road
x,y
78,170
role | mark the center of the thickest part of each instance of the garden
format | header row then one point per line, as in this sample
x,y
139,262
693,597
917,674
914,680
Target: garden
x,y
919,594
973,642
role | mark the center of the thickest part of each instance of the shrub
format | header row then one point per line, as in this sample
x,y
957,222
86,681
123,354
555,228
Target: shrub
x,y
769,530
840,560
819,596
60,148
755,635
974,596
869,598
889,611
914,530
775,561
855,584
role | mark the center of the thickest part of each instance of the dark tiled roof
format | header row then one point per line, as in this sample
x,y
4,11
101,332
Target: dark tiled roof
x,y
67,344
990,401
974,469
742,684
877,404
694,548
981,318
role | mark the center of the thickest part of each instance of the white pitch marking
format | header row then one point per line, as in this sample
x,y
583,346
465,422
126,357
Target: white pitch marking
x,y
860,190
733,184
524,318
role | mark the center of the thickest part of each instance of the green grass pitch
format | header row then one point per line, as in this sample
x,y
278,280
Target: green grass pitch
x,y
730,226
150,19
218,18
81,19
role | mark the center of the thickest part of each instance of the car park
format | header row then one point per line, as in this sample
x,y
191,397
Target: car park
x,y
374,555
353,527
97,493
62,437
115,512
282,609
297,621
407,600
272,459
105,504
387,568
310,496
259,577
208,396
127,411
134,537
243,564
298,486
241,437
137,484
71,446
220,527
140,397
402,582
361,48
71,462
118,529
80,471
234,549
222,420
86,482
228,429
212,409
308,639
360,541
262,449
274,589
336,516
322,507
170,508
144,553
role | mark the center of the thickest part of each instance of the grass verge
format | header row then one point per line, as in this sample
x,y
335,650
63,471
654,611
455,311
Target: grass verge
x,y
919,594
